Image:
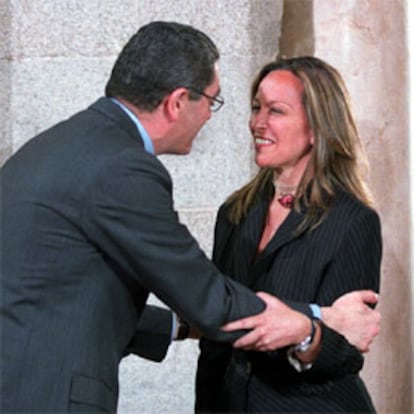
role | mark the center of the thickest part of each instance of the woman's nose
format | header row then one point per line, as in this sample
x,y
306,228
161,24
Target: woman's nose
x,y
259,120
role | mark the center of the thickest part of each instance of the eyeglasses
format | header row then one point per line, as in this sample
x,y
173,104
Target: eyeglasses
x,y
216,102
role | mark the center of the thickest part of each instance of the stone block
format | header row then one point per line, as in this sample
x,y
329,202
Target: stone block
x,y
52,28
5,113
239,27
46,91
200,222
5,32
147,387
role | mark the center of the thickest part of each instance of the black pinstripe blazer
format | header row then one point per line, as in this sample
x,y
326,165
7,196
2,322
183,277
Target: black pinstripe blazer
x,y
341,255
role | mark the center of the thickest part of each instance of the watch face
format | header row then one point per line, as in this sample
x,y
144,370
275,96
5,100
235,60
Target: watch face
x,y
304,345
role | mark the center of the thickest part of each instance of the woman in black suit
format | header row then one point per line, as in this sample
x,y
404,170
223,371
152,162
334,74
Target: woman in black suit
x,y
304,230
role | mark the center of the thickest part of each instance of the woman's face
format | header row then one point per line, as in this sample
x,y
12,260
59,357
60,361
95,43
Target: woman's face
x,y
279,125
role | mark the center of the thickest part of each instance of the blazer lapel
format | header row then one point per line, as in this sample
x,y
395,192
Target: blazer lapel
x,y
241,252
241,245
251,231
285,233
252,228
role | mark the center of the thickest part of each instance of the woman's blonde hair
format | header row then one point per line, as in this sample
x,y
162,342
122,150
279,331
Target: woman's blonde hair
x,y
338,159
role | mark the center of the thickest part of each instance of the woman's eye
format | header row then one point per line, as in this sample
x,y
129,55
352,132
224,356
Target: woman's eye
x,y
255,108
277,111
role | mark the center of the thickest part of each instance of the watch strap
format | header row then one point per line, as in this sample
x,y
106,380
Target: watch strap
x,y
307,342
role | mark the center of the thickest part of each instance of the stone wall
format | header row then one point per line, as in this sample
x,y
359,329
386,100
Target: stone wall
x,y
55,58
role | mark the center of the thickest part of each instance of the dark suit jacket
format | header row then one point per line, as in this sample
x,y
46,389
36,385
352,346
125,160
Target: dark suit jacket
x,y
341,255
88,229
153,334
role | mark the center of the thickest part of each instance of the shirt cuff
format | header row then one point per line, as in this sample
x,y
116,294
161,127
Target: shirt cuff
x,y
174,326
316,311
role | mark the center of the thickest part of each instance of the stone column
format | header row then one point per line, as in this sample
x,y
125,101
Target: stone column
x,y
366,40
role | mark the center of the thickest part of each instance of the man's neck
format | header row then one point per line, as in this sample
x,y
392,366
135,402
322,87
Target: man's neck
x,y
154,122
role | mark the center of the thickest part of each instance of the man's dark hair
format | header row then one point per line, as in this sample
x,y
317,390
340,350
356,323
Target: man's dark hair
x,y
161,57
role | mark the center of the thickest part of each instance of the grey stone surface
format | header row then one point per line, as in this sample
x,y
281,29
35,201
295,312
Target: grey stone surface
x,y
200,222
46,91
49,28
151,388
5,82
5,32
148,387
6,143
240,27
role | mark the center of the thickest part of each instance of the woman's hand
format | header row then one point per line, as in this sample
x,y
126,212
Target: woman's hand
x,y
352,317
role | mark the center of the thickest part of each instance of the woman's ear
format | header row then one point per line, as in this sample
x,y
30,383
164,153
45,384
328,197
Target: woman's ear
x,y
175,103
311,138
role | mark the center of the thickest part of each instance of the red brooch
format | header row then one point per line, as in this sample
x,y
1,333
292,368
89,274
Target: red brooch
x,y
286,200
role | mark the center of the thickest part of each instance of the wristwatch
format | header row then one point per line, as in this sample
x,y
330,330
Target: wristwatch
x,y
307,342
303,346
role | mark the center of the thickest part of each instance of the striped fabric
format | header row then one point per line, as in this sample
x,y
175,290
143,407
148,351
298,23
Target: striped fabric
x,y
341,255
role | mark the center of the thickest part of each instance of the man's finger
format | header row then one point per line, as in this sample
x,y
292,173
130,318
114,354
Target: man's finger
x,y
270,300
265,296
245,323
247,340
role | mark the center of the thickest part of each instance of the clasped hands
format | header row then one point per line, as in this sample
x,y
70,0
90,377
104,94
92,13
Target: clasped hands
x,y
279,325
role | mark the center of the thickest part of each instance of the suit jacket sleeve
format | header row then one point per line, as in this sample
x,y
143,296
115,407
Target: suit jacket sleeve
x,y
129,215
153,335
356,266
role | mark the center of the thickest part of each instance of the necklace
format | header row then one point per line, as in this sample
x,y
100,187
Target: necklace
x,y
285,194
286,200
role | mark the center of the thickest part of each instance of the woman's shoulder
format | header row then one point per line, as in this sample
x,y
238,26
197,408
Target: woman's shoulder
x,y
347,206
257,207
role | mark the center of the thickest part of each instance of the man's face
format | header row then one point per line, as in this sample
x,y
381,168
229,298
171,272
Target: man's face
x,y
195,114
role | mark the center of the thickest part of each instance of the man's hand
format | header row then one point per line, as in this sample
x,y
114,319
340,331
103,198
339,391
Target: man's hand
x,y
351,316
277,326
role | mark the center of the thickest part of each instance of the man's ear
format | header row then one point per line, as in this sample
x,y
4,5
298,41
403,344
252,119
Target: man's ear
x,y
175,103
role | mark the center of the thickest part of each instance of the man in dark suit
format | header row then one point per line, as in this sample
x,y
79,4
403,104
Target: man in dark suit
x,y
89,229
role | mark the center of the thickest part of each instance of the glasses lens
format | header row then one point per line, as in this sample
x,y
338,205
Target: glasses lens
x,y
216,103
